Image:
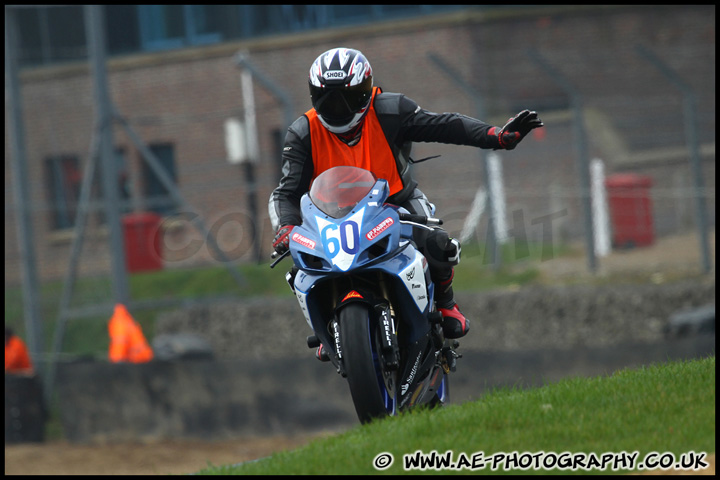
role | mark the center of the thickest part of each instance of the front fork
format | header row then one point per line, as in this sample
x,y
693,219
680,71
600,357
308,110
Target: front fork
x,y
390,350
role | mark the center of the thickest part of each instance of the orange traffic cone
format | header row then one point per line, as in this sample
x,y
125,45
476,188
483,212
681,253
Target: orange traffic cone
x,y
127,342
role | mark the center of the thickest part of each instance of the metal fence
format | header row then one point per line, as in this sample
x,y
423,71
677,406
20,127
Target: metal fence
x,y
626,160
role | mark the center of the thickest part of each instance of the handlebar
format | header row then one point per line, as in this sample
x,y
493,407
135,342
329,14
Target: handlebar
x,y
404,217
421,219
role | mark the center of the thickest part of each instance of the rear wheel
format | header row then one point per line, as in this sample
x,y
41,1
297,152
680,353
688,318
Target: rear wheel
x,y
373,392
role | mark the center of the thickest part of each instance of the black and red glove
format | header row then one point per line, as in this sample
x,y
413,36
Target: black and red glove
x,y
516,128
281,244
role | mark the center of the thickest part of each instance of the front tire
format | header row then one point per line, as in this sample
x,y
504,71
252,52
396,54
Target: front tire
x,y
361,364
442,396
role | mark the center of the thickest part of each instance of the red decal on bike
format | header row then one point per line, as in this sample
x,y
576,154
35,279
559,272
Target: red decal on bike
x,y
305,242
352,294
381,227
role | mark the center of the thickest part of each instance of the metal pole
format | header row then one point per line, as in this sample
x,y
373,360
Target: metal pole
x,y
691,135
75,250
493,246
94,27
582,161
251,140
21,197
252,207
243,62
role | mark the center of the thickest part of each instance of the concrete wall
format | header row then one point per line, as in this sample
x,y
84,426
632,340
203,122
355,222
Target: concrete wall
x,y
25,412
265,380
504,320
206,399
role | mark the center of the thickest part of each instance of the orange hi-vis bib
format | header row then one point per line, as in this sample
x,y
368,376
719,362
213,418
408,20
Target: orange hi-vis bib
x,y
372,152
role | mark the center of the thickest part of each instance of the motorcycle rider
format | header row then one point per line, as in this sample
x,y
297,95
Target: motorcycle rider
x,y
355,123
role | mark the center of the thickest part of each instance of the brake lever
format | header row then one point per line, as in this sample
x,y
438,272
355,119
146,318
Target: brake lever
x,y
419,219
280,259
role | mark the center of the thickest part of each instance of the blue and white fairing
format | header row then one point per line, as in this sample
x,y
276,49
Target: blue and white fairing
x,y
348,228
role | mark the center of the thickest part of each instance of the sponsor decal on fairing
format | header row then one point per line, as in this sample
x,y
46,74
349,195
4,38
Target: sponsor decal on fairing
x,y
379,228
304,241
411,281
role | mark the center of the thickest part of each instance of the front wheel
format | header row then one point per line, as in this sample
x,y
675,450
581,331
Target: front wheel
x,y
368,385
442,395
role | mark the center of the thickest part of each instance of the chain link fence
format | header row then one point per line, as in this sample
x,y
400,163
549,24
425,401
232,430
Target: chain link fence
x,y
603,101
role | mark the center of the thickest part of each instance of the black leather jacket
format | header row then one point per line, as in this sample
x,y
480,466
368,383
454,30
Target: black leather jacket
x,y
402,121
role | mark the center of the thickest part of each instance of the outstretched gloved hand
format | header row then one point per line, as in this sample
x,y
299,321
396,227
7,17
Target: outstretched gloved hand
x,y
281,244
516,128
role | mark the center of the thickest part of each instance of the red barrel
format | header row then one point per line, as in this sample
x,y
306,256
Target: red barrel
x,y
630,210
143,245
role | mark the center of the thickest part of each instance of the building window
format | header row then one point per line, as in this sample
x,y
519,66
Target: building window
x,y
351,13
157,198
123,29
50,35
63,179
173,26
304,17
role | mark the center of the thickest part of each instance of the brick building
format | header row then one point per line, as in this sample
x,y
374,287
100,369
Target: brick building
x,y
178,102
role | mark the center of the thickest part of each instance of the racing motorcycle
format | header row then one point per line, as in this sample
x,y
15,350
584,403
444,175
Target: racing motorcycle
x,y
365,291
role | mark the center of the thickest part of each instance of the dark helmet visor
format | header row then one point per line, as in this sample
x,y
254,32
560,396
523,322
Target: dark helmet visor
x,y
338,105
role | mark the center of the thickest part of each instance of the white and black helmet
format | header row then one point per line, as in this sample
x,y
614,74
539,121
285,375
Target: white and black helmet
x,y
341,84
